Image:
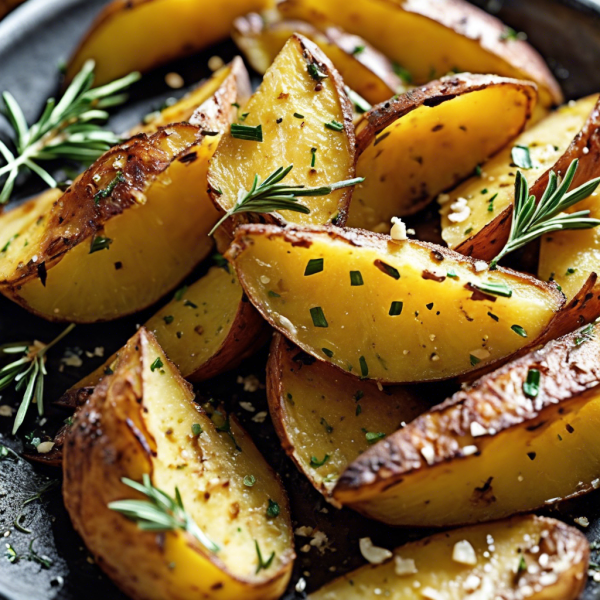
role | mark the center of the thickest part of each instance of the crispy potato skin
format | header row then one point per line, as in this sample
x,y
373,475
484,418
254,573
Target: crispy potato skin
x,y
368,72
112,438
488,241
314,410
427,140
464,37
123,37
496,403
286,89
372,250
562,577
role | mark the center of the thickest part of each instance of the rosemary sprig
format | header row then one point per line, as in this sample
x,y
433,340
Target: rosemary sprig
x,y
68,129
27,372
531,221
160,512
271,195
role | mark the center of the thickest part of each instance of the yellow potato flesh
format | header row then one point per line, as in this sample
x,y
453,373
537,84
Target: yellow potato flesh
x,y
517,470
201,322
425,47
499,549
324,412
288,89
547,141
209,473
140,35
152,250
430,150
434,337
262,48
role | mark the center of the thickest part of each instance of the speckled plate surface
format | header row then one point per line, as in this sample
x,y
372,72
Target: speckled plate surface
x,y
33,41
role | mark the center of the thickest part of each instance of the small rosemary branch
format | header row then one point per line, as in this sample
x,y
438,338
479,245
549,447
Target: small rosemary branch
x,y
531,220
69,129
27,372
160,512
271,195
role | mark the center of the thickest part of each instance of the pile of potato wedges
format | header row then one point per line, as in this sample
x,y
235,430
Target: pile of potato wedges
x,y
417,102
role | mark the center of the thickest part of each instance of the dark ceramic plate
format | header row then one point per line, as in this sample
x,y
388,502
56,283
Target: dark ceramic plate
x,y
33,42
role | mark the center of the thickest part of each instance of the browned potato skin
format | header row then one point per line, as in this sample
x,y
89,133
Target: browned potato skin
x,y
496,401
486,243
433,94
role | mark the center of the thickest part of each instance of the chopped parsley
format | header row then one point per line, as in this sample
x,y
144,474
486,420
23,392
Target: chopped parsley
x,y
273,509
180,293
196,429
521,157
373,437
315,72
249,480
315,265
364,367
474,360
356,278
315,463
519,330
531,387
168,319
585,335
157,364
100,243
334,125
318,317
327,352
396,308
491,203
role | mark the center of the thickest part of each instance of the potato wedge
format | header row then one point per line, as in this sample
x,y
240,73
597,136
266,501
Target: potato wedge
x,y
201,106
436,38
396,312
510,443
523,557
139,35
429,139
325,416
142,416
289,89
364,69
553,143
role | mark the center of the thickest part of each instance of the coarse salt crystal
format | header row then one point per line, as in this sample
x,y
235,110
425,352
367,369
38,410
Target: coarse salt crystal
x,y
404,566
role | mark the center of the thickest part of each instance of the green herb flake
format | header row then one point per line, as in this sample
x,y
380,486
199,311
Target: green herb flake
x,y
9,242
178,297
570,271
522,567
521,157
493,316
334,126
356,278
262,564
315,463
190,304
358,409
249,133
168,319
474,360
403,73
364,368
315,72
327,352
452,274
313,160
318,317
100,243
249,480
491,203
387,269
585,335
273,294
110,188
196,429
358,396
326,425
495,288
157,364
509,34
358,49
396,308
373,437
315,265
531,387
478,171
273,509
298,116
519,330
468,230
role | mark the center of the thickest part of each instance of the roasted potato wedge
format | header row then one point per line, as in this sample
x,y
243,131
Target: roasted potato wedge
x,y
293,109
429,139
143,417
553,143
524,557
201,106
114,243
124,36
396,312
324,418
364,69
436,38
521,437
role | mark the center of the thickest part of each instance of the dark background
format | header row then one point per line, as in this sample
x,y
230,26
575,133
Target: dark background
x,y
33,42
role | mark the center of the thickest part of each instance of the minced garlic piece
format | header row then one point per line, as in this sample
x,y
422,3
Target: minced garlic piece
x,y
477,429
371,553
459,211
404,566
398,231
464,553
45,447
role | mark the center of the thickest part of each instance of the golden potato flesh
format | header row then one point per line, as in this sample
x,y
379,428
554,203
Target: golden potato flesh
x,y
364,69
519,438
293,109
524,557
484,230
392,311
145,418
325,418
138,35
93,258
429,38
426,141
